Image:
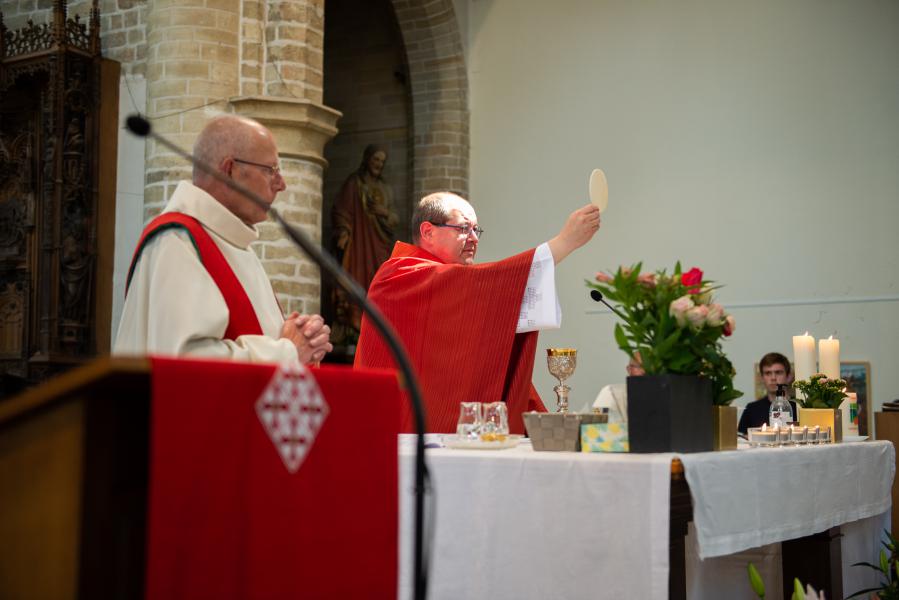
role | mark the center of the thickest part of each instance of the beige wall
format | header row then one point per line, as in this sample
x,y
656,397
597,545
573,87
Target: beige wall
x,y
757,140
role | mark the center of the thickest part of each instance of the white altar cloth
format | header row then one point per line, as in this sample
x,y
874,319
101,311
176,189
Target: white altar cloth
x,y
523,524
748,498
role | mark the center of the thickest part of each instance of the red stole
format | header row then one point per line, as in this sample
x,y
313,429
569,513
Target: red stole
x,y
458,325
242,318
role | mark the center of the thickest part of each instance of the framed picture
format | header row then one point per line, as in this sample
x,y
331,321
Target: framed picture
x,y
858,379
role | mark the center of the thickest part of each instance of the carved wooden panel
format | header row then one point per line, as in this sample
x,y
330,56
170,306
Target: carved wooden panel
x,y
50,105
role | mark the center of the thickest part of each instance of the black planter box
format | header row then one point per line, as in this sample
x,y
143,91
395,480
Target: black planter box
x,y
669,413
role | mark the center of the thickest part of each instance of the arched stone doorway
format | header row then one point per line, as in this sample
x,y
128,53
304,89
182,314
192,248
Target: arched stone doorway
x,y
396,71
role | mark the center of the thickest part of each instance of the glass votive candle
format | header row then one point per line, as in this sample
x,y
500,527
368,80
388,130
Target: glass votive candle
x,y
783,436
824,435
762,436
798,434
811,436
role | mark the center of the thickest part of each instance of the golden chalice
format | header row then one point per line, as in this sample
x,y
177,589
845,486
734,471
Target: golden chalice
x,y
561,363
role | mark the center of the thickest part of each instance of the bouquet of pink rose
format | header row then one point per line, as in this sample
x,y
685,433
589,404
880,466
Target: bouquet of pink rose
x,y
673,323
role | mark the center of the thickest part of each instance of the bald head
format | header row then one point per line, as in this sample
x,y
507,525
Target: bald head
x,y
244,151
224,136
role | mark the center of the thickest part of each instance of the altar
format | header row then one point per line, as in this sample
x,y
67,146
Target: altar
x,y
522,524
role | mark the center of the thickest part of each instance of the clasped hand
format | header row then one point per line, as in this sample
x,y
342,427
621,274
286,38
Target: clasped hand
x,y
310,336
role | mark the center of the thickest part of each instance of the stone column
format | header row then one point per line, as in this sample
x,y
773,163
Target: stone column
x,y
192,57
261,59
282,68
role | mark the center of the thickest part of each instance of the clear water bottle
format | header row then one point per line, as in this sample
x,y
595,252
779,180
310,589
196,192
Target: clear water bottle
x,y
780,414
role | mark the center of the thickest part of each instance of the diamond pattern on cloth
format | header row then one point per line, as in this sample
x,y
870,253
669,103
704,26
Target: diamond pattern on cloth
x,y
292,410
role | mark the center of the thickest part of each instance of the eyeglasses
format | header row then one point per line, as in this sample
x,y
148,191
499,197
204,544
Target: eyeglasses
x,y
465,230
272,171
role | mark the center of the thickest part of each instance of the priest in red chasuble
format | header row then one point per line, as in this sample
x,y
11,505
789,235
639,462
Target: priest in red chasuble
x,y
470,329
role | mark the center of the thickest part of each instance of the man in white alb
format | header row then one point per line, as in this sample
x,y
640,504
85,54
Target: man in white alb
x,y
195,286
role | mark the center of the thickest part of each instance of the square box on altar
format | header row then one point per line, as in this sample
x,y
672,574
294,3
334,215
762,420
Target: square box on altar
x,y
604,437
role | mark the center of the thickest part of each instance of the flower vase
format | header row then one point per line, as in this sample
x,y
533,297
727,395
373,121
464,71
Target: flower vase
x,y
823,418
669,413
724,426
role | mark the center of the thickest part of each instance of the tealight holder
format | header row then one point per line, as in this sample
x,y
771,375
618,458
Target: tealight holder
x,y
783,436
798,435
824,435
811,435
763,436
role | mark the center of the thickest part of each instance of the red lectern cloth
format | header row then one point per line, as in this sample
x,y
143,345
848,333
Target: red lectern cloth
x,y
226,517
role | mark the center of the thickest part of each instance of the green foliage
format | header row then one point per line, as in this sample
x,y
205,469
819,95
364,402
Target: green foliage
x,y
798,592
821,392
671,321
758,586
755,580
888,568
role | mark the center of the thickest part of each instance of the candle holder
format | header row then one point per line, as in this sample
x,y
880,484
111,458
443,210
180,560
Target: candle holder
x,y
784,436
798,435
811,435
763,437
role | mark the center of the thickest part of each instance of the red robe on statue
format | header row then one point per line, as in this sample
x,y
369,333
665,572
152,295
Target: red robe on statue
x,y
458,325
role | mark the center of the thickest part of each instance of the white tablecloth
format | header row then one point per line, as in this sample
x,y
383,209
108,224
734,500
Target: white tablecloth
x,y
749,498
523,524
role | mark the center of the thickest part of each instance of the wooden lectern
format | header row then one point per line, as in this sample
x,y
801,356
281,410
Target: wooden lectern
x,y
165,478
70,451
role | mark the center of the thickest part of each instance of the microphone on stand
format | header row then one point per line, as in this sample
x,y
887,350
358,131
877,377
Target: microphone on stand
x,y
140,127
597,295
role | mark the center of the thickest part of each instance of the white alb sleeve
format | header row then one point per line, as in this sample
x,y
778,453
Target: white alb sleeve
x,y
540,305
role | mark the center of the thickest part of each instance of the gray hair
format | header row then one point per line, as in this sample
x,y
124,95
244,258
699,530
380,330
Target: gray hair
x,y
223,136
433,208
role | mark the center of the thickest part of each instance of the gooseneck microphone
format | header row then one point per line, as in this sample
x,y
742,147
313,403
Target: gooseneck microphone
x,y
141,127
597,295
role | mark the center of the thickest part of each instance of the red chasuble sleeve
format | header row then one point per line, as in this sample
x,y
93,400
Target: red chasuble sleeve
x,y
458,324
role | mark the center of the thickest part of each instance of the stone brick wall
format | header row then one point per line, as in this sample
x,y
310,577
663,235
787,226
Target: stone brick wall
x,y
295,48
295,279
360,82
439,94
197,56
122,26
192,62
203,53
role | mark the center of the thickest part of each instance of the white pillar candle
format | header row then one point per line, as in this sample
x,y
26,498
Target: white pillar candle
x,y
829,357
804,356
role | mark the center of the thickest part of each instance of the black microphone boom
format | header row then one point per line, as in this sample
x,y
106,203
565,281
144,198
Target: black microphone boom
x,y
597,295
138,125
141,127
